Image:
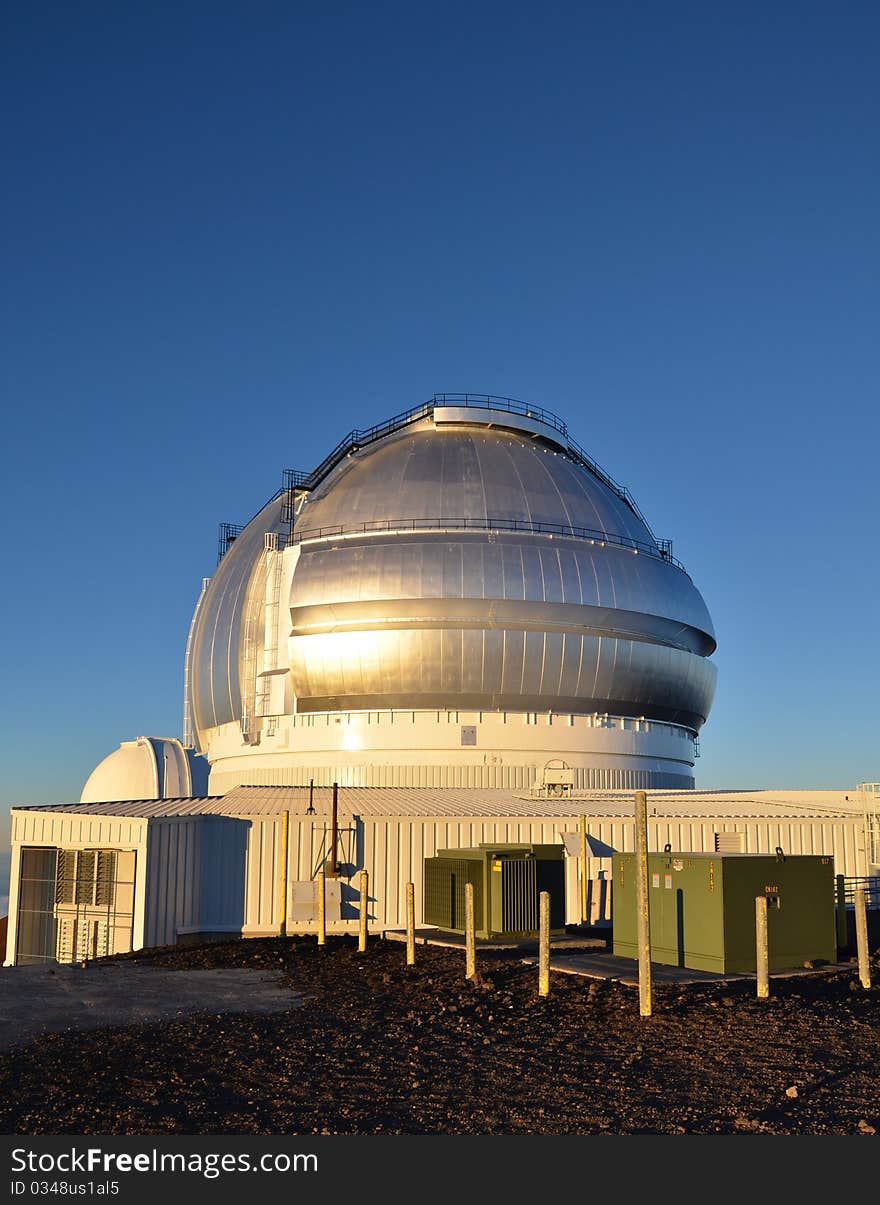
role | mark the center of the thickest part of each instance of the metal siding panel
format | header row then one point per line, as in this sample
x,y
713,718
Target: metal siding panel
x,y
252,910
164,886
274,851
512,570
452,571
533,578
513,644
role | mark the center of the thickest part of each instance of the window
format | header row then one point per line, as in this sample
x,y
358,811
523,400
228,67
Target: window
x,y
74,904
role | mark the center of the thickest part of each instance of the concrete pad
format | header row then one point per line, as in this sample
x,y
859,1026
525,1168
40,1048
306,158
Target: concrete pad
x,y
455,941
605,965
37,1000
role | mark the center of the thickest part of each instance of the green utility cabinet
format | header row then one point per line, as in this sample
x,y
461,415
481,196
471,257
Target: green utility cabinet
x,y
702,909
507,881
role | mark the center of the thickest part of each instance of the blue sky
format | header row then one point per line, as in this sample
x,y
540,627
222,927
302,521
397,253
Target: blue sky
x,y
233,232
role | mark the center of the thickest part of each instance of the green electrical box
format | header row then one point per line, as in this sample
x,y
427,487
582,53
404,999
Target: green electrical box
x,y
702,909
507,882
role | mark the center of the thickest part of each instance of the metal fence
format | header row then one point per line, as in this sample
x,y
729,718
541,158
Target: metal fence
x,y
869,883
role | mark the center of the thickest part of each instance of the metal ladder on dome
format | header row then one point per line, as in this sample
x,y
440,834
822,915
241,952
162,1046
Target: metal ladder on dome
x,y
263,702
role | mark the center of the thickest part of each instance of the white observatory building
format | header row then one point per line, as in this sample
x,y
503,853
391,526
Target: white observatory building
x,y
454,598
456,629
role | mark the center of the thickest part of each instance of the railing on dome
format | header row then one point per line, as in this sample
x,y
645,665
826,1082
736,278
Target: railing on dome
x,y
229,533
490,401
358,438
292,482
296,482
662,550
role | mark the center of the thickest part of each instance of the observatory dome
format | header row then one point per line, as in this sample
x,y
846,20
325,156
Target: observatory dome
x,y
151,767
459,559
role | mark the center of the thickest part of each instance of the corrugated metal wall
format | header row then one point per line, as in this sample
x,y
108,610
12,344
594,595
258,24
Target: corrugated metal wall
x,y
173,878
75,830
204,873
841,838
262,912
198,876
393,849
513,778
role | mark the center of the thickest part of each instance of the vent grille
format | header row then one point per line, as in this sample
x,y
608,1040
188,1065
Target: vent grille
x,y
445,880
65,881
86,876
105,878
730,843
519,895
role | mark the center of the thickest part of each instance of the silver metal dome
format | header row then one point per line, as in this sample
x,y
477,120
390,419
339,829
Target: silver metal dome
x,y
464,559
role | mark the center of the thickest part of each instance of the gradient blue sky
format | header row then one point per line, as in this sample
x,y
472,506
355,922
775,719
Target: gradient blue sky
x,y
231,232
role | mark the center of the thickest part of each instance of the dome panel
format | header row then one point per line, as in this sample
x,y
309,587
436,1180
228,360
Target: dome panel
x,y
464,473
215,676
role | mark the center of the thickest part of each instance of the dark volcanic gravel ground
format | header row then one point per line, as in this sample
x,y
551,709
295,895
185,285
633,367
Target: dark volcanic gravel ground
x,y
381,1049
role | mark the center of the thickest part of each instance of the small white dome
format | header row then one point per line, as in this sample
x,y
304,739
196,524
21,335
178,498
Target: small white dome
x,y
151,767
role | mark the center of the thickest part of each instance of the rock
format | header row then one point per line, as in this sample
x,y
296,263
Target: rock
x,y
480,982
746,1123
865,1128
791,1092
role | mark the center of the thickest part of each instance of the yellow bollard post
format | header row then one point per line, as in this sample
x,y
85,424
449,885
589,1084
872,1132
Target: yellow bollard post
x,y
544,944
643,920
584,917
365,908
282,874
762,947
322,908
470,936
410,924
842,935
862,939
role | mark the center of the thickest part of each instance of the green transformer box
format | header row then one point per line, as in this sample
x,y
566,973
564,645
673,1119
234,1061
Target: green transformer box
x,y
507,881
702,909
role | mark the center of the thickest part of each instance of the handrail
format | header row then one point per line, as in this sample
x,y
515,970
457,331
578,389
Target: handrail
x,y
359,438
227,535
491,401
869,883
295,481
661,551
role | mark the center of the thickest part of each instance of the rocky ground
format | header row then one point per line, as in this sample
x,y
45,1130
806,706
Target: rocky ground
x,y
377,1048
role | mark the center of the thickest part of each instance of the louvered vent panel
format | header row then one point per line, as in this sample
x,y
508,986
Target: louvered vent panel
x,y
730,843
519,896
65,876
85,877
65,939
106,877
